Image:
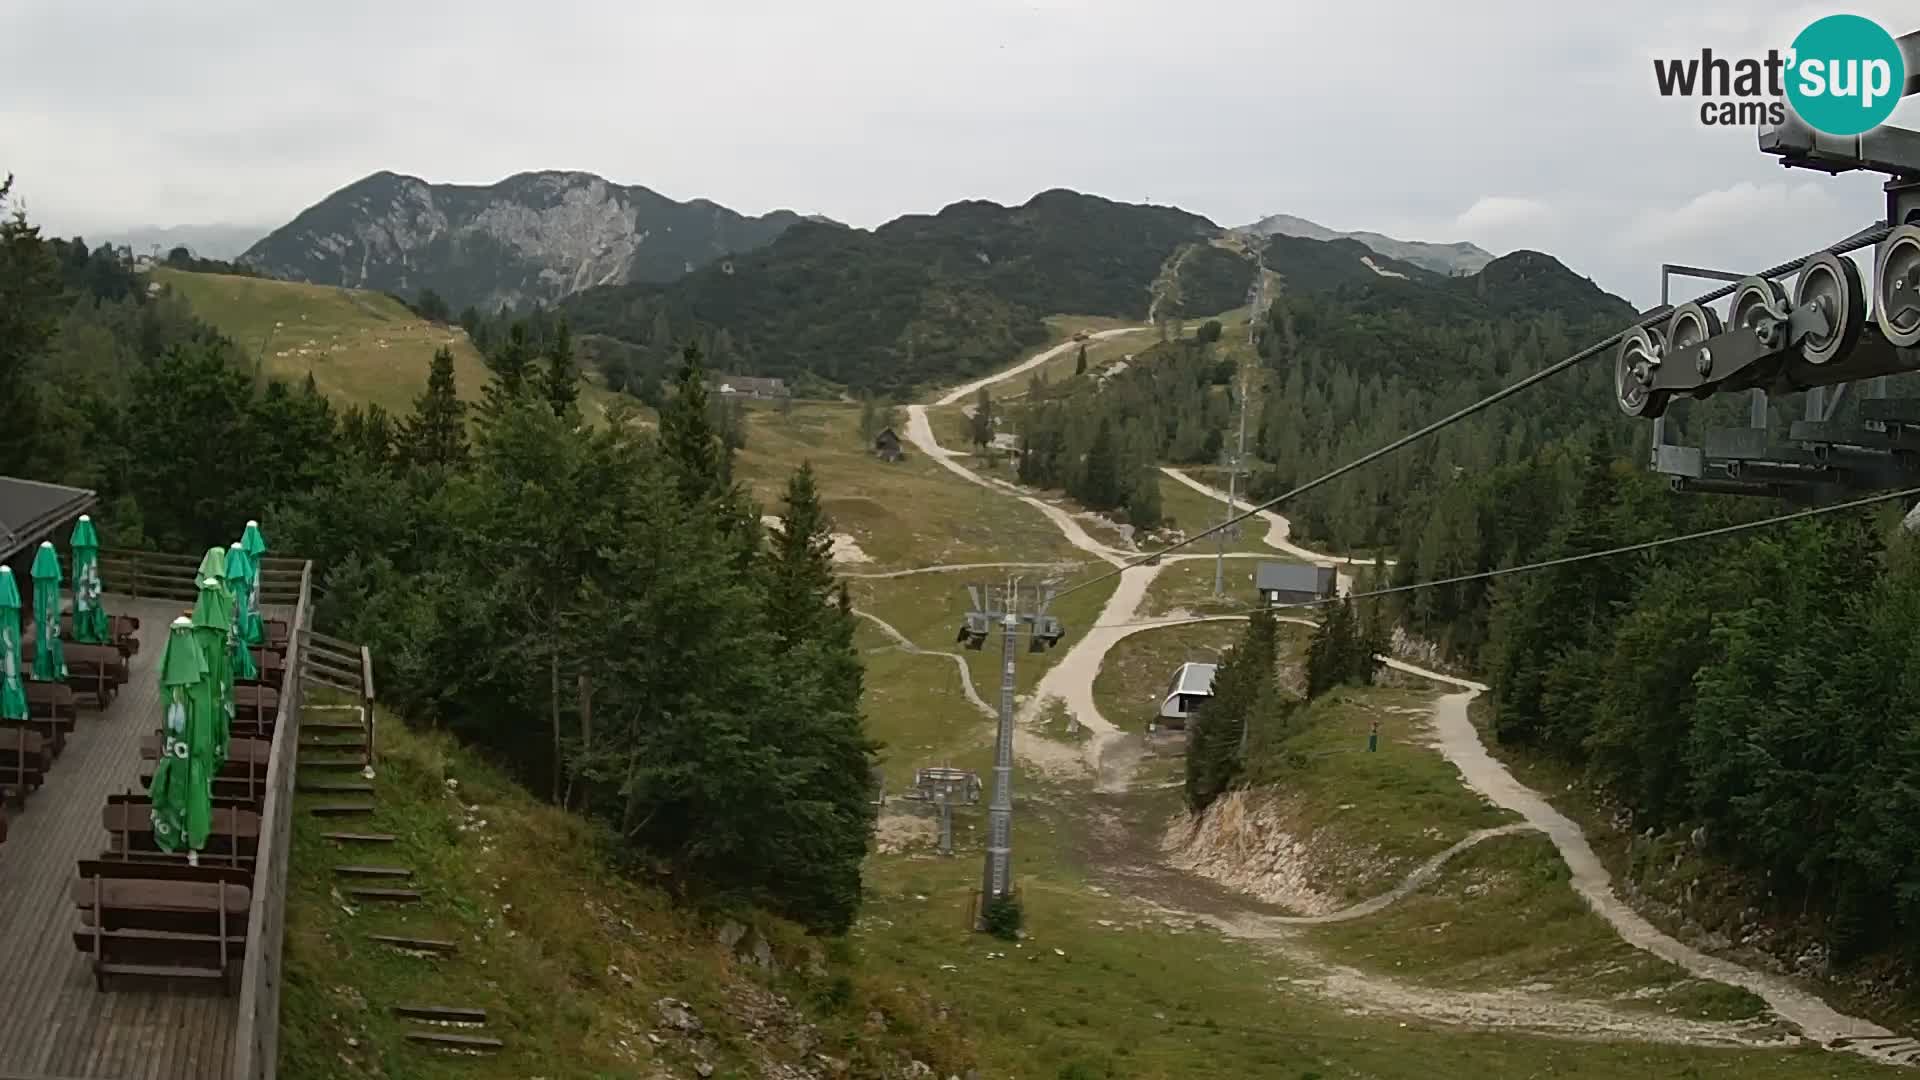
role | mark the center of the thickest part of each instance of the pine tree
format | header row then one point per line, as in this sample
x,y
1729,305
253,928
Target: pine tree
x,y
1143,503
1080,361
1332,652
435,435
1243,689
981,422
561,383
703,467
512,363
1101,488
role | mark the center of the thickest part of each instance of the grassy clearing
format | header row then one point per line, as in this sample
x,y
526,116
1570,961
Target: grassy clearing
x,y
927,608
361,347
1187,586
1134,675
908,513
1061,328
1388,810
1503,914
1103,988
567,958
1191,512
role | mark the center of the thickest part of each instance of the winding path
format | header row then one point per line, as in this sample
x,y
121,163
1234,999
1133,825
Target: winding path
x,y
1071,679
963,392
907,646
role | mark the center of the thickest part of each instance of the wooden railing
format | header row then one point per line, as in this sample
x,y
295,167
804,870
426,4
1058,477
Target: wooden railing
x,y
257,1038
343,666
158,576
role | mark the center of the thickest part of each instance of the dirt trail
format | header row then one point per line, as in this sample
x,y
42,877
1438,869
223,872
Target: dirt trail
x,y
966,677
920,433
1279,529
961,393
1459,741
1109,753
947,568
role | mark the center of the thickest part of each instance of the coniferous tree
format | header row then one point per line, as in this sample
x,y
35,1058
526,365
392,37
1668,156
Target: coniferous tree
x,y
512,363
1243,689
1143,502
1080,361
1101,487
562,376
435,435
688,435
981,423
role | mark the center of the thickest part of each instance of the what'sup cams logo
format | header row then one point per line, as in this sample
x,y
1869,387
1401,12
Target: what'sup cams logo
x,y
1842,76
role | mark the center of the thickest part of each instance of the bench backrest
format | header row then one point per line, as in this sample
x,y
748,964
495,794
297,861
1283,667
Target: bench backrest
x,y
255,752
149,893
130,819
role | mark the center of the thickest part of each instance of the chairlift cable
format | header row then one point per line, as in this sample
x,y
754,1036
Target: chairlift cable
x,y
1656,317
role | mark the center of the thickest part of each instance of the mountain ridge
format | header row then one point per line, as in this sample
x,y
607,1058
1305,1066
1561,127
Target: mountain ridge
x,y
1458,257
532,237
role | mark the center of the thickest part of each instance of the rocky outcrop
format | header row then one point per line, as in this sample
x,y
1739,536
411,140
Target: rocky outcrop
x,y
538,236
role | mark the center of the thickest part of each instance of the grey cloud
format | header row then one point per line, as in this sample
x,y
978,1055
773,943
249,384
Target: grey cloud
x,y
1486,120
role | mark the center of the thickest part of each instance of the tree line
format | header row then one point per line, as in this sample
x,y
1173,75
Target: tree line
x,y
598,606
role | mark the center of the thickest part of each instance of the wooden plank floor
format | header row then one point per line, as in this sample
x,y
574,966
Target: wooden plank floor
x,y
53,1022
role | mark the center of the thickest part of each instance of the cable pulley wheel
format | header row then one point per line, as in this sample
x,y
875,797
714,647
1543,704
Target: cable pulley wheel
x,y
1896,287
1755,303
1634,363
1831,283
1691,324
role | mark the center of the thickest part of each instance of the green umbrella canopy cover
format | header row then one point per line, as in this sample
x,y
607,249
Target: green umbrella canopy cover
x,y
90,622
182,788
49,658
239,577
13,691
213,629
255,545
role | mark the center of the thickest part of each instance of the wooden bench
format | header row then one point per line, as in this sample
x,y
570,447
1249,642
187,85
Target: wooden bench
x,y
162,920
124,630
97,671
24,759
270,668
256,704
233,841
243,777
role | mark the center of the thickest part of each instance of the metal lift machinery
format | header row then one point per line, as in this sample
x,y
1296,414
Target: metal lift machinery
x,y
1816,335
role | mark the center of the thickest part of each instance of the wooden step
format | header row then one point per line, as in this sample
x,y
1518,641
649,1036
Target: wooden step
x,y
373,871
341,809
441,1014
324,726
446,1040
358,837
390,896
333,744
333,787
354,763
416,944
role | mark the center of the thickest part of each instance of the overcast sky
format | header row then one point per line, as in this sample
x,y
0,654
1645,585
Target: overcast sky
x,y
1510,124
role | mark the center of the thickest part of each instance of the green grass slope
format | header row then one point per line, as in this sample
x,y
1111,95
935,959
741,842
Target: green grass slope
x,y
570,961
360,347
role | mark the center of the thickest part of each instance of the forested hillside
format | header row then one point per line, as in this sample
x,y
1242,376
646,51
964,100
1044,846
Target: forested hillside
x,y
489,560
925,298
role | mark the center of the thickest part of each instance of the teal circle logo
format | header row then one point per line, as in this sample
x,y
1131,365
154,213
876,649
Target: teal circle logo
x,y
1846,75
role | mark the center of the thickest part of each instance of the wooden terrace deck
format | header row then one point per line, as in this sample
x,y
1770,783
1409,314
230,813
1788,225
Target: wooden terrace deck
x,y
54,1024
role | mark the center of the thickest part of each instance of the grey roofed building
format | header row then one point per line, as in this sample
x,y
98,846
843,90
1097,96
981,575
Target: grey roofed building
x,y
749,386
1293,583
1190,689
32,511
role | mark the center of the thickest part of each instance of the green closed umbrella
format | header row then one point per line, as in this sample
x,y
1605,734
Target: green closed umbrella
x,y
13,692
90,622
49,659
213,629
239,579
182,789
255,545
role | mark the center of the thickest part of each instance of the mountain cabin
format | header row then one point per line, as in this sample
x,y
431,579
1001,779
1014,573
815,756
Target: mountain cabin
x,y
1293,583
